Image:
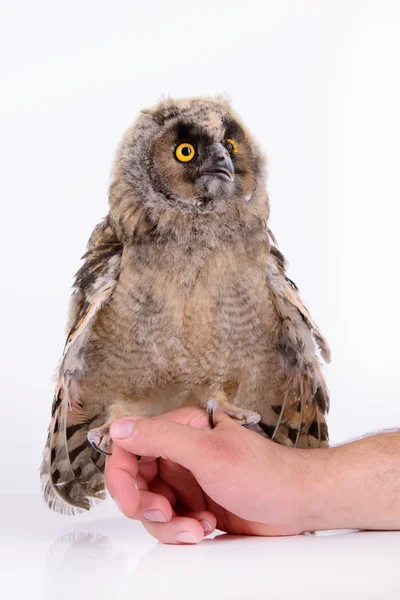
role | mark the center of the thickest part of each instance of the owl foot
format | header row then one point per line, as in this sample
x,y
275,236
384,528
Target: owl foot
x,y
99,439
247,418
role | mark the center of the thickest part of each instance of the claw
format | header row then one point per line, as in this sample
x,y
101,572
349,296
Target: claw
x,y
212,404
251,424
256,418
95,439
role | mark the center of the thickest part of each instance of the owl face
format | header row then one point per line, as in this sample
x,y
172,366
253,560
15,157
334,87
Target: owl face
x,y
202,161
191,154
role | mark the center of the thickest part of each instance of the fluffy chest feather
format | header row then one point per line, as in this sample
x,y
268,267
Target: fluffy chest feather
x,y
186,320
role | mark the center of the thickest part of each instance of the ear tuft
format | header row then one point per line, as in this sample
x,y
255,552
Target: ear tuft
x,y
224,97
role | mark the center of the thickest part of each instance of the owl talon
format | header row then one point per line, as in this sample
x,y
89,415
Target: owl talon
x,y
250,424
99,440
246,418
212,404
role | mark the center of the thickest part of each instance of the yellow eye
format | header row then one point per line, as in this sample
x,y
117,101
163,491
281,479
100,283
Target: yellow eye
x,y
185,152
231,145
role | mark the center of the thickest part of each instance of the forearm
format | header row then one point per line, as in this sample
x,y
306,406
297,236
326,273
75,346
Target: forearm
x,y
355,486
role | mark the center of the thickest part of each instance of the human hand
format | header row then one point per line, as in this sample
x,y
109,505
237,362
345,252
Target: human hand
x,y
193,479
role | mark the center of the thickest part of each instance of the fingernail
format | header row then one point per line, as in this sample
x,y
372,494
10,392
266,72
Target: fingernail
x,y
135,485
206,526
155,515
118,503
186,538
122,428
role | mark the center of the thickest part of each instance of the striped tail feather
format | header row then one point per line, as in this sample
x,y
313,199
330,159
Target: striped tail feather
x,y
305,427
71,471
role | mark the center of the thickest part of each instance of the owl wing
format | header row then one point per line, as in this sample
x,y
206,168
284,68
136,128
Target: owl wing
x,y
305,397
65,487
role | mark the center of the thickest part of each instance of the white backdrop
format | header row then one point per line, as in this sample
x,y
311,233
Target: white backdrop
x,y
319,85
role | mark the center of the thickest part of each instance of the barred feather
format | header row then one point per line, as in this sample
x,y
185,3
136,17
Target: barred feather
x,y
71,470
304,396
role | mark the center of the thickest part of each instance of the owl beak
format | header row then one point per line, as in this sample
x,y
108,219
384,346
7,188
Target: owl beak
x,y
220,164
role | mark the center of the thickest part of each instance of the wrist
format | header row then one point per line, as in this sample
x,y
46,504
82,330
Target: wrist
x,y
320,487
334,490
320,491
300,498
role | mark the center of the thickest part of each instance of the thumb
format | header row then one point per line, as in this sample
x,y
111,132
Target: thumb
x,y
160,438
180,436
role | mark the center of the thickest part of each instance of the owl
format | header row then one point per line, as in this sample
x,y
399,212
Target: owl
x,y
182,298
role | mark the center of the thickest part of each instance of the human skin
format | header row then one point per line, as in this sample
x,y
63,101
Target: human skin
x,y
192,479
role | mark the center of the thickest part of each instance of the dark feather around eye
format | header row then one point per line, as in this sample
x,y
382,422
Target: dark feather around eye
x,y
184,132
232,129
192,133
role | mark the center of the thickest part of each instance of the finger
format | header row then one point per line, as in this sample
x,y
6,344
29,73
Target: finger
x,y
181,530
141,482
122,460
158,437
207,520
130,492
120,474
148,470
187,415
192,415
152,507
186,489
158,486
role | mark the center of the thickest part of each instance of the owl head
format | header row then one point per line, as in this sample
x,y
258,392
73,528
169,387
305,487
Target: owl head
x,y
191,156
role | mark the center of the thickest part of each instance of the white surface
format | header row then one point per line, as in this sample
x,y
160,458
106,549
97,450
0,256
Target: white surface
x,y
317,82
106,556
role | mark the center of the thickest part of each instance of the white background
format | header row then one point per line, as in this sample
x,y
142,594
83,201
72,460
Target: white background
x,y
319,85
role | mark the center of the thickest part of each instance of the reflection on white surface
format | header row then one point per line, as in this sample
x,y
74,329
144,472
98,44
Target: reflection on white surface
x,y
103,555
90,559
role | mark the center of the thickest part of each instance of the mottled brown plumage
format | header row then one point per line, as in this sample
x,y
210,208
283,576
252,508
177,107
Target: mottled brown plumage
x,y
182,297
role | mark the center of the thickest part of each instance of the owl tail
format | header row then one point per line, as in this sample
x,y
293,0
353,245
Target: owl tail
x,y
71,471
293,431
300,420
